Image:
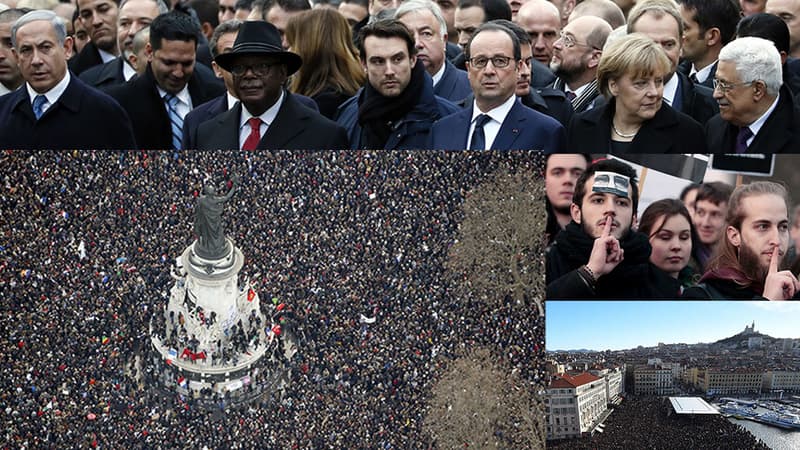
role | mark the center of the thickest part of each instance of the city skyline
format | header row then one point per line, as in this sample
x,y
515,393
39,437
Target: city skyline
x,y
619,325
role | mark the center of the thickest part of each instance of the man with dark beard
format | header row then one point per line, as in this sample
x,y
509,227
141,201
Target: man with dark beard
x,y
99,17
746,264
396,107
598,255
576,54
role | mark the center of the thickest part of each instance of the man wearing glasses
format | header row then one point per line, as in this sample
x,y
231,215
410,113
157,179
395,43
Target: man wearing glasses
x,y
267,117
576,54
496,119
756,111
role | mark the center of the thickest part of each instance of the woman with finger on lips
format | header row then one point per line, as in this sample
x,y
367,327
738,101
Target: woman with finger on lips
x,y
635,119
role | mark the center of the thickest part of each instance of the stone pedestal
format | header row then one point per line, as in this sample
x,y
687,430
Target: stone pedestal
x,y
212,334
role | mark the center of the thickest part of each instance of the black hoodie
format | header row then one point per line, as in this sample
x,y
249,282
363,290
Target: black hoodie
x,y
634,278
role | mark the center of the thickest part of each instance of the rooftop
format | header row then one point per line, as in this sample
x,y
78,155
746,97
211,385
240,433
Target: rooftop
x,y
568,381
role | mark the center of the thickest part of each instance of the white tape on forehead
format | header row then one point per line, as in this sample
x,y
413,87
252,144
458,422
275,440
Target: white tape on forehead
x,y
612,183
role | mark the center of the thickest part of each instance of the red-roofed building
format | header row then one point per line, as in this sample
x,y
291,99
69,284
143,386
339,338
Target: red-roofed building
x,y
615,380
573,404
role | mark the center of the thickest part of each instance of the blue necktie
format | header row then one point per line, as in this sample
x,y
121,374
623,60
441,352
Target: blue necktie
x,y
38,105
478,137
175,120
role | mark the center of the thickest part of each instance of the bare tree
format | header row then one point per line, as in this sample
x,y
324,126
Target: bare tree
x,y
479,402
500,248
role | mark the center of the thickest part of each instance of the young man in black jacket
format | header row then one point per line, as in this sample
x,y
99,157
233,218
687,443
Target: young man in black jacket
x,y
598,255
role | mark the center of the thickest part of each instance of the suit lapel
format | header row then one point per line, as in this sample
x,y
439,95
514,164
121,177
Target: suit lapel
x,y
23,103
510,128
709,82
70,100
71,97
773,134
289,122
225,130
723,140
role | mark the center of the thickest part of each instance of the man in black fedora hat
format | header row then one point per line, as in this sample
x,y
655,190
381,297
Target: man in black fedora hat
x,y
268,117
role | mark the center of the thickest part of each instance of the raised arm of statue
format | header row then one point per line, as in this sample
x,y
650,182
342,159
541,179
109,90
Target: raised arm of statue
x,y
230,193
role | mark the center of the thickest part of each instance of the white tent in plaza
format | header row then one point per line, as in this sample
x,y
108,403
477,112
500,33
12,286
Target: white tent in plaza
x,y
691,405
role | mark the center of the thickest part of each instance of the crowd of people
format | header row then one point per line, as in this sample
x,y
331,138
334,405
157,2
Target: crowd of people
x,y
89,240
650,422
713,241
593,76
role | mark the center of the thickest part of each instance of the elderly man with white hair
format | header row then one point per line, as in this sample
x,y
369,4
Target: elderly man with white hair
x,y
425,21
757,113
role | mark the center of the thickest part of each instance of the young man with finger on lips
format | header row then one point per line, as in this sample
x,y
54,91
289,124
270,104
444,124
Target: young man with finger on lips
x,y
747,264
599,255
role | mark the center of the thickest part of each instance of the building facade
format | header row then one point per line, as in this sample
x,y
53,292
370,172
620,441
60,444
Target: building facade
x,y
653,380
782,380
730,381
573,403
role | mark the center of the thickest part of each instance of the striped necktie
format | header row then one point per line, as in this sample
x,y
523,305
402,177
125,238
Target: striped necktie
x,y
176,121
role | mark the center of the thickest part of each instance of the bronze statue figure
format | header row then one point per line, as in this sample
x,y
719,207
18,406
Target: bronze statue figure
x,y
208,222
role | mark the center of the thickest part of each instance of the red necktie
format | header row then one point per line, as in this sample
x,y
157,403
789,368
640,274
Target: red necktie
x,y
255,134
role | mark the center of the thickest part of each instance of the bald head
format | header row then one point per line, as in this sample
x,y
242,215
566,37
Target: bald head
x,y
604,9
542,21
590,29
565,8
577,65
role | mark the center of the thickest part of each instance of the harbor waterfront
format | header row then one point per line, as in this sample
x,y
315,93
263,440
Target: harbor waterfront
x,y
758,417
774,438
689,376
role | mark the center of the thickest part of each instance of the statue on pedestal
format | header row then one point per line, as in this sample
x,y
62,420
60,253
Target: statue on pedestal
x,y
208,222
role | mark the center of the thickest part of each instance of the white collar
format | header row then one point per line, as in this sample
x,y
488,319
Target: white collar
x,y
267,116
183,94
105,56
756,126
230,99
670,88
127,70
438,75
578,91
499,113
4,90
54,93
702,74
